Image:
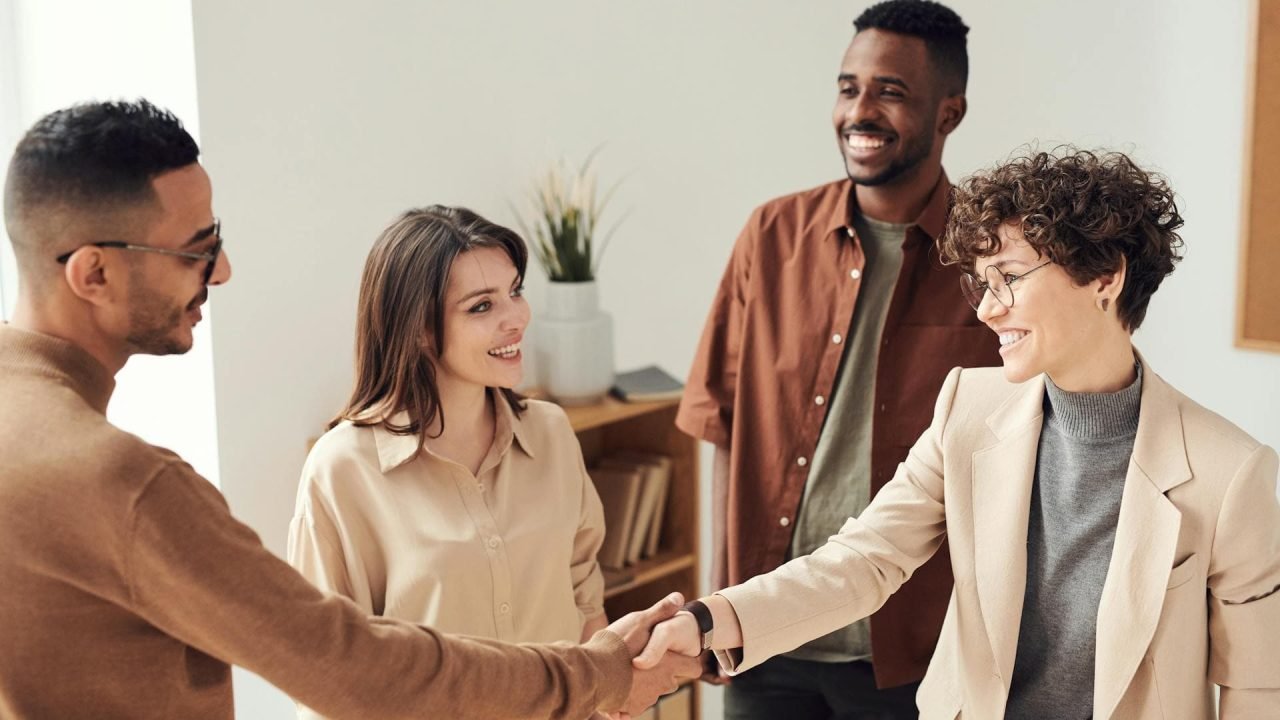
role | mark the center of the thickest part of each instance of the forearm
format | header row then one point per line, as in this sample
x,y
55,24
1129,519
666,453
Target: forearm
x,y
205,579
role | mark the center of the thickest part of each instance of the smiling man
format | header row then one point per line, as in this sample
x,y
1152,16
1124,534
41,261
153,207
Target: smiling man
x,y
830,336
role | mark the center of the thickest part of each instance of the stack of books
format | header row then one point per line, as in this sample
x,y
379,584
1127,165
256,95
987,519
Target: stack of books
x,y
633,489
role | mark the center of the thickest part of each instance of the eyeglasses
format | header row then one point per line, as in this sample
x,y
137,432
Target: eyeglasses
x,y
999,283
210,257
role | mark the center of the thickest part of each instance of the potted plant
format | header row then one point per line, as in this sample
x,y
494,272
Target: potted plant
x,y
573,342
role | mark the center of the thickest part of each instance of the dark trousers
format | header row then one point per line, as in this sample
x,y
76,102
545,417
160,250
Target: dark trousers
x,y
804,690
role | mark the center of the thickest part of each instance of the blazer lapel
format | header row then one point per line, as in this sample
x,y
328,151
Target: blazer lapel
x,y
1002,479
1146,540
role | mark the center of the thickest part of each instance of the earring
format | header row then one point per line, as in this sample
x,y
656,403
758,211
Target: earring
x,y
1104,304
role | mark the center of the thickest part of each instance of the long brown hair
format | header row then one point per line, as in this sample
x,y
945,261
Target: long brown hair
x,y
402,296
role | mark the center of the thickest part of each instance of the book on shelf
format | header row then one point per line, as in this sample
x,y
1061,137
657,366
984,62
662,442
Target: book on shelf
x,y
648,384
647,526
619,489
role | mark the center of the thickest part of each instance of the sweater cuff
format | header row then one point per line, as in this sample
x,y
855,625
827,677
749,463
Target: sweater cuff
x,y
610,653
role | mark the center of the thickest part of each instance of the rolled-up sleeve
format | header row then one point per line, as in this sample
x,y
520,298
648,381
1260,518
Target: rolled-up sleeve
x,y
1244,602
706,409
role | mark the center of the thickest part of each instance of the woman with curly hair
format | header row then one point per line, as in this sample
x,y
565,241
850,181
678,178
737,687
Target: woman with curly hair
x,y
1115,545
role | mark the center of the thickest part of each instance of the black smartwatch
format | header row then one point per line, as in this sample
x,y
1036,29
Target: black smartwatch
x,y
706,624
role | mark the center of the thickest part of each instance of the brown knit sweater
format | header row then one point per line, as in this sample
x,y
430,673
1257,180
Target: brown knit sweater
x,y
128,590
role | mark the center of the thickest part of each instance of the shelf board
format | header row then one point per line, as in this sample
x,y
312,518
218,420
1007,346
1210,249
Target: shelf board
x,y
610,411
646,571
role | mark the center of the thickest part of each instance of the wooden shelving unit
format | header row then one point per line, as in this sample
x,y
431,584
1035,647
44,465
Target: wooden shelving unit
x,y
611,426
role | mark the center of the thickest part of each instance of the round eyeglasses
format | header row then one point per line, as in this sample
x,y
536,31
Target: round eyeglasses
x,y
1000,284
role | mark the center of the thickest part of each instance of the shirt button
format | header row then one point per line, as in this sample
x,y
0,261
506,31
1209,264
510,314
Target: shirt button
x,y
855,273
802,461
784,521
836,338
882,407
819,400
480,487
493,543
504,608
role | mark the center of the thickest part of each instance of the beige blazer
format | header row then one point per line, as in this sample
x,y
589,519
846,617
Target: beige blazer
x,y
1189,599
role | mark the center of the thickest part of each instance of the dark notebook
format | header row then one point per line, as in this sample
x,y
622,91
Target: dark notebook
x,y
647,384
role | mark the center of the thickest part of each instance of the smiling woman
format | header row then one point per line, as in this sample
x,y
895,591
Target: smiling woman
x,y
1113,543
439,495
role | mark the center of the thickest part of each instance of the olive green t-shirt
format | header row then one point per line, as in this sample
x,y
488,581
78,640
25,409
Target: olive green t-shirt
x,y
839,483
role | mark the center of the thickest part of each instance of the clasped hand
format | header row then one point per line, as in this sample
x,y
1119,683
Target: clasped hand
x,y
655,670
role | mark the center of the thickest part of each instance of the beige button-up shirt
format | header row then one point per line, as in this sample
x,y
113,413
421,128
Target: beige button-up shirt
x,y
507,554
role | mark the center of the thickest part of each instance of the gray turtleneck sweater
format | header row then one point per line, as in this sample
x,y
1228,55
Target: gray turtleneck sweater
x,y
1085,446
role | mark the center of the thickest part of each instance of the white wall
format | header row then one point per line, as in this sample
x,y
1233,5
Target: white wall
x,y
322,120
122,49
10,130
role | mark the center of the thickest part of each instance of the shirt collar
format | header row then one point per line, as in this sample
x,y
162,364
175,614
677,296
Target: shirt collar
x,y
932,220
58,359
395,450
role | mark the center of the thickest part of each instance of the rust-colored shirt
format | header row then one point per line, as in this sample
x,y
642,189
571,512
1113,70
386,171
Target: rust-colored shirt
x,y
767,364
128,590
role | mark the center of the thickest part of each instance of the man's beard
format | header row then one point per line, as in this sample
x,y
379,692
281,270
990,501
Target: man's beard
x,y
913,155
153,322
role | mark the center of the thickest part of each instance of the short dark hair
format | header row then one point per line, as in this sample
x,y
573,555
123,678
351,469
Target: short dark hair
x,y
92,157
1084,211
939,26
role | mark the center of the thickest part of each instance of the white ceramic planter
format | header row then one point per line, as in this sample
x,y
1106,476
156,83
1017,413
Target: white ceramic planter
x,y
574,344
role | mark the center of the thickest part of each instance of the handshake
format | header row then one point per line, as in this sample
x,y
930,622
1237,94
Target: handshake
x,y
665,649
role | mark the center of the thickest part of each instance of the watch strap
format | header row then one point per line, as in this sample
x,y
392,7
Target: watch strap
x,y
702,614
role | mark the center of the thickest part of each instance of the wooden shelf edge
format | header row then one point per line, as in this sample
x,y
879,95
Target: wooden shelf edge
x,y
646,571
608,410
611,410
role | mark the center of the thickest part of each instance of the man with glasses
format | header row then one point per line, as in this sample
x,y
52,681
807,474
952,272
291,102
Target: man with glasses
x,y
128,588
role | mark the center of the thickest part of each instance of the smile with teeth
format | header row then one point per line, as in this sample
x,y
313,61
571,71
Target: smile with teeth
x,y
1011,337
506,352
865,142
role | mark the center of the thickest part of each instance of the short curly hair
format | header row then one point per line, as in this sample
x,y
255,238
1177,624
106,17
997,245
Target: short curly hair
x,y
939,26
1085,211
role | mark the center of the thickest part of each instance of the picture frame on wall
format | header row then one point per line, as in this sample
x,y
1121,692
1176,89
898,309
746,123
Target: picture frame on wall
x,y
1258,302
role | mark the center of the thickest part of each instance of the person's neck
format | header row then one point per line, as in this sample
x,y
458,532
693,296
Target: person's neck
x,y
466,407
1108,367
902,200
65,326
